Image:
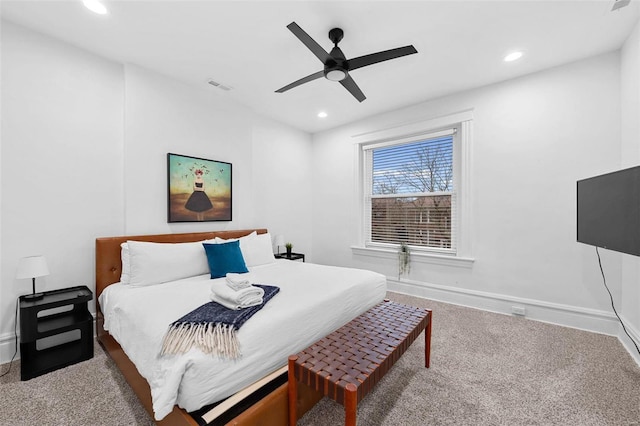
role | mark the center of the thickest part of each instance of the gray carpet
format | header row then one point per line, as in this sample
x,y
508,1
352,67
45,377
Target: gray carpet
x,y
90,393
486,369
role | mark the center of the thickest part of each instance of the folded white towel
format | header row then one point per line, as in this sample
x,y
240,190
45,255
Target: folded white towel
x,y
233,305
236,299
239,281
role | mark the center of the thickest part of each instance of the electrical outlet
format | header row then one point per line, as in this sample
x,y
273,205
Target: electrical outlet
x,y
518,310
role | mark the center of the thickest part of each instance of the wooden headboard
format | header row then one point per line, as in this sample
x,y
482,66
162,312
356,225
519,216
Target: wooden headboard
x,y
109,264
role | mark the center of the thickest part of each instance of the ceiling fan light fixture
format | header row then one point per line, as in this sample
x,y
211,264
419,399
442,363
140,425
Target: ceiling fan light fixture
x,y
336,75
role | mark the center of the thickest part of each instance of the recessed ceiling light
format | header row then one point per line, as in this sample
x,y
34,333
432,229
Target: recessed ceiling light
x,y
95,6
513,56
322,114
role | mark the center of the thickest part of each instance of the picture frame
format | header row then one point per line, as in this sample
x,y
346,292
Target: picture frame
x,y
198,189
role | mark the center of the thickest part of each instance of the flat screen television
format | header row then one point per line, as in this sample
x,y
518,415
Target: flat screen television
x,y
609,211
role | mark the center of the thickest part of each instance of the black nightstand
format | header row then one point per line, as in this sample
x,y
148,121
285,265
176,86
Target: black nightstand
x,y
293,256
69,321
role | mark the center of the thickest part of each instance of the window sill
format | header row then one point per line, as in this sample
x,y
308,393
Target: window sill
x,y
417,257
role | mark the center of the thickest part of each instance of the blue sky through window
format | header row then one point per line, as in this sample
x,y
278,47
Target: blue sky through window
x,y
422,166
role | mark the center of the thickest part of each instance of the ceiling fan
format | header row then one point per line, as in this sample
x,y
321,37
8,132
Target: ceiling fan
x,y
336,65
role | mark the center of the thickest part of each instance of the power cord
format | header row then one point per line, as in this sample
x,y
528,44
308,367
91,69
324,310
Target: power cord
x,y
15,331
604,280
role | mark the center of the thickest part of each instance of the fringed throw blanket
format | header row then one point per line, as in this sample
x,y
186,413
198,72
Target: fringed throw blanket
x,y
212,328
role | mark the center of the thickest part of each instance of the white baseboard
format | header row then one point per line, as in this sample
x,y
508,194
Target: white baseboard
x,y
593,320
626,341
7,348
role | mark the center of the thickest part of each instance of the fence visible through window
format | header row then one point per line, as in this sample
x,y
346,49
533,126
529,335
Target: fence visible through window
x,y
422,221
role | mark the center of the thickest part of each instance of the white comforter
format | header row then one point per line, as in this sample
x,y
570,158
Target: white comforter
x,y
313,301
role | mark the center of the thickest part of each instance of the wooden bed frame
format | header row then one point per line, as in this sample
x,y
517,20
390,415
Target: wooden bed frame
x,y
272,410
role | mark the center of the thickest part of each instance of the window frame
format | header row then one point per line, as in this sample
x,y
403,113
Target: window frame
x,y
411,132
369,196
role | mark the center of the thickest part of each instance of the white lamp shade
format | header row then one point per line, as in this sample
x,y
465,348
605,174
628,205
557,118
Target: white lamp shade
x,y
32,267
279,240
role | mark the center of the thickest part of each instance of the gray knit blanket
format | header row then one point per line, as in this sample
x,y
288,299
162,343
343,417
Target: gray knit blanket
x,y
212,328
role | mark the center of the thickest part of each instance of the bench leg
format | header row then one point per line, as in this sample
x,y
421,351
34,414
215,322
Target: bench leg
x,y
427,341
292,391
350,404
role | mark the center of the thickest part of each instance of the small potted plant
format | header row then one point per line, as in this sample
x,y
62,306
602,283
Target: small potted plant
x,y
288,246
404,259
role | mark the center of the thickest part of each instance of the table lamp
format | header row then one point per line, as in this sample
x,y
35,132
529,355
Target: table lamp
x,y
279,242
32,267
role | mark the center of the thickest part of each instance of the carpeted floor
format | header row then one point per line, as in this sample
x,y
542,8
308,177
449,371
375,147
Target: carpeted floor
x,y
93,392
486,369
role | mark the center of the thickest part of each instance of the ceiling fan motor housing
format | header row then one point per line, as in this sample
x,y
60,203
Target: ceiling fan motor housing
x,y
336,67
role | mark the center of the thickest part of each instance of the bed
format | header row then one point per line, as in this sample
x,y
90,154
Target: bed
x,y
313,301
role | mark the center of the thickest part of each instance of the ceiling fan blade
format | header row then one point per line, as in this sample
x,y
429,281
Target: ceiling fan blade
x,y
311,44
374,58
353,88
303,80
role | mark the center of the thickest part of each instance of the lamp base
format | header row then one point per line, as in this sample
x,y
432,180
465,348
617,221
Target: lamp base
x,y
34,296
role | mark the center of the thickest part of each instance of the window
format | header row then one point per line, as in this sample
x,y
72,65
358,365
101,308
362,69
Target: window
x,y
409,192
419,190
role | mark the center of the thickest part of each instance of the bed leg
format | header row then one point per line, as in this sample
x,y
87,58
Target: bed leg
x,y
293,391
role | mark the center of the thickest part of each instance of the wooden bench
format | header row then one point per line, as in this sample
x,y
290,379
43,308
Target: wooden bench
x,y
346,365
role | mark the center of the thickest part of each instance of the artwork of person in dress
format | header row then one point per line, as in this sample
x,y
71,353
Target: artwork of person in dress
x,y
199,201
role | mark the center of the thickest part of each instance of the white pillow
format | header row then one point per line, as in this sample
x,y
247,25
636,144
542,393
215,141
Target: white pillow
x,y
126,265
155,263
219,240
257,250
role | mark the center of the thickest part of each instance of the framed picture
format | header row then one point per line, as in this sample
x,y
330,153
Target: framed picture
x,y
198,190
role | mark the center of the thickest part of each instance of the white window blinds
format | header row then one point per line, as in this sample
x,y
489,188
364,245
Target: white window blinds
x,y
409,192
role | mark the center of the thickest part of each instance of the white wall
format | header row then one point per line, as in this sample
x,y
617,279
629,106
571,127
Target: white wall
x,y
281,182
630,89
163,115
83,155
61,157
533,137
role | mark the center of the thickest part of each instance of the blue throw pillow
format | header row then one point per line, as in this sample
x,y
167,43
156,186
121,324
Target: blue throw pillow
x,y
225,258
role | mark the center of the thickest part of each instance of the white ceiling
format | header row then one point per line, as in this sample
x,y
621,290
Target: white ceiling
x,y
246,45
